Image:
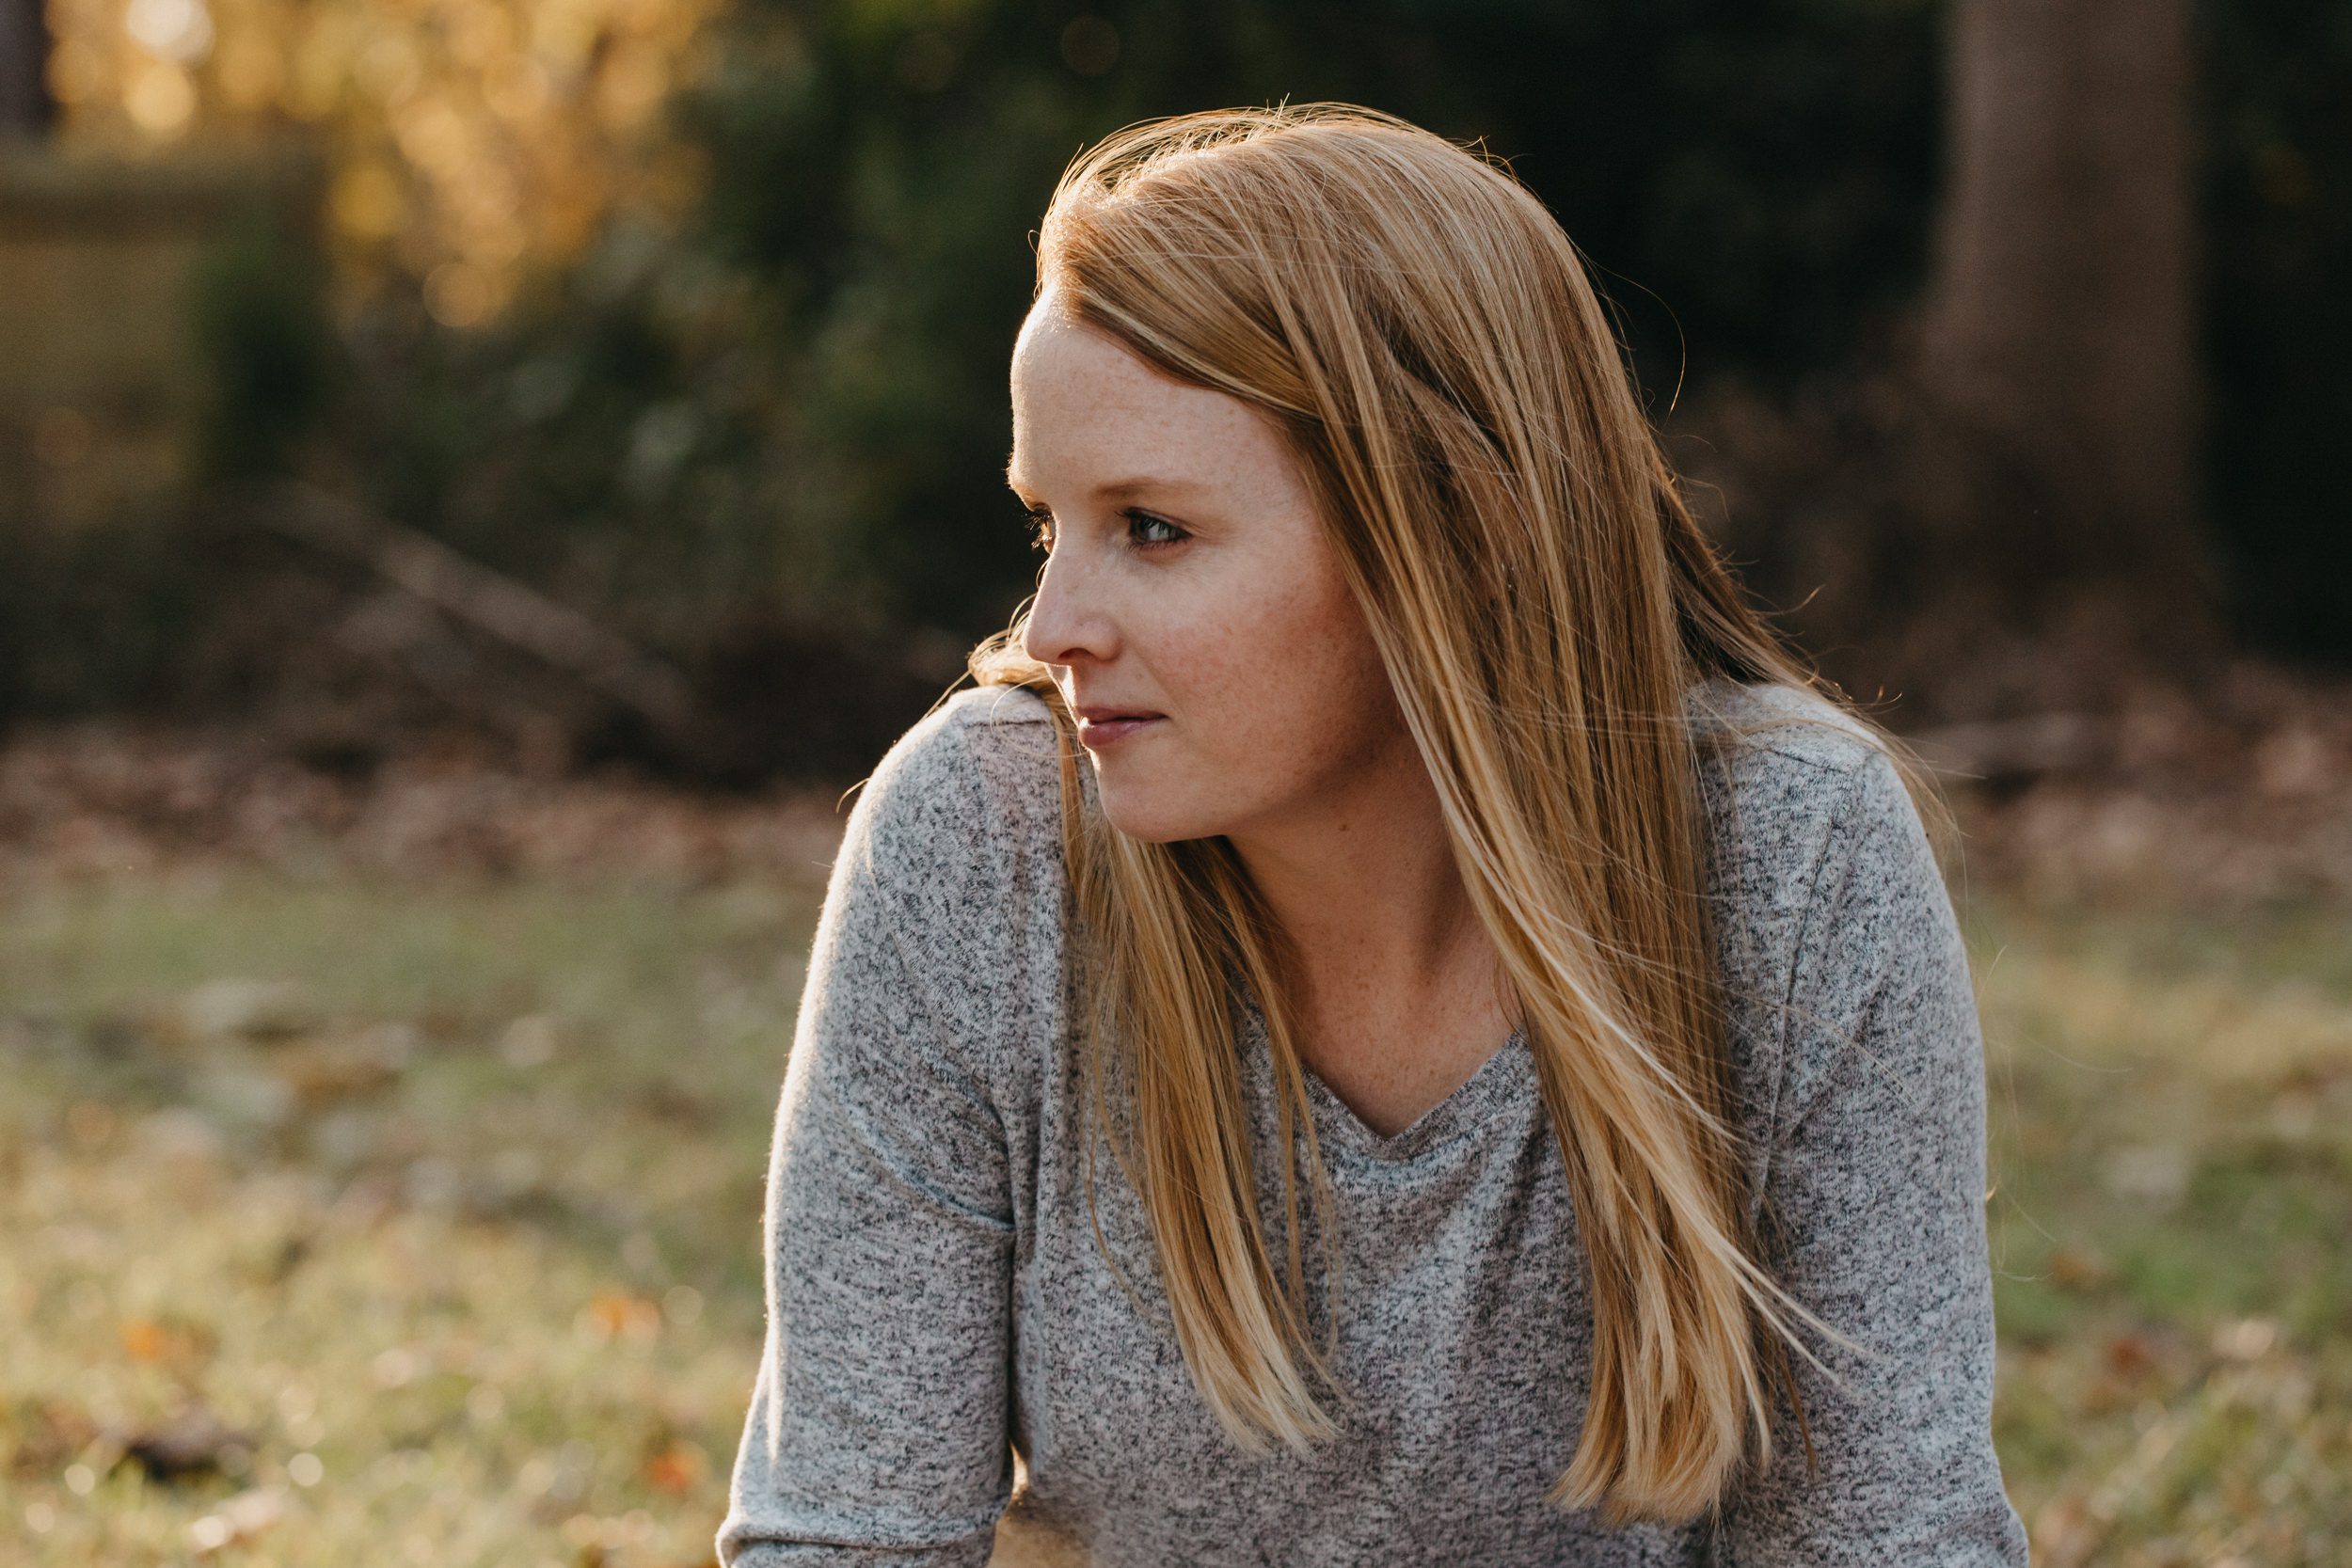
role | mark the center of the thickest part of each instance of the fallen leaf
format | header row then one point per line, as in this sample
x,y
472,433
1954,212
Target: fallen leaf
x,y
2070,1270
2131,1356
256,1009
677,1469
172,1342
616,1314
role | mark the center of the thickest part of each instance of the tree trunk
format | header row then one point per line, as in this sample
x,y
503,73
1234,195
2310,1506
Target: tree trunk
x,y
26,109
2058,344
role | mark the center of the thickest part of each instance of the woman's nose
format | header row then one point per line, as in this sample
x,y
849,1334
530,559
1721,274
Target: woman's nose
x,y
1066,623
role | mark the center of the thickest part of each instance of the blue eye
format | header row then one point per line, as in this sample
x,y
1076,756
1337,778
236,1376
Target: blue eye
x,y
1145,519
1042,533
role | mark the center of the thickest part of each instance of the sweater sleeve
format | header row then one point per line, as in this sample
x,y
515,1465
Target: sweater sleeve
x,y
1873,1203
877,1432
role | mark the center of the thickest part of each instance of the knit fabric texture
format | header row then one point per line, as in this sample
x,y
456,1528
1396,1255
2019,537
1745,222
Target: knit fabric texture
x,y
939,1306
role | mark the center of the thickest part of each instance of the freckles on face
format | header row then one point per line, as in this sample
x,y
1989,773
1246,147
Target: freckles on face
x,y
1190,576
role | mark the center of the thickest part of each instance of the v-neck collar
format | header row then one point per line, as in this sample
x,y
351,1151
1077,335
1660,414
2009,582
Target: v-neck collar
x,y
1505,1073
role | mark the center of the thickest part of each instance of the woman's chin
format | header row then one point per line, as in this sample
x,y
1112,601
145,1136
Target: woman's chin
x,y
1136,814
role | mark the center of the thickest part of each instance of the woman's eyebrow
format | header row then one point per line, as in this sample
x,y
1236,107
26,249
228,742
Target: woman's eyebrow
x,y
1120,489
1141,483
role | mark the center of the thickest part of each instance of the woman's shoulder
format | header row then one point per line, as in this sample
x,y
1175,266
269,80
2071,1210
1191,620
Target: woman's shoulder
x,y
949,877
961,820
1778,765
1773,728
1821,876
974,774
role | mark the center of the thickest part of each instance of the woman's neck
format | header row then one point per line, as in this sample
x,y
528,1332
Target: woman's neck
x,y
1367,892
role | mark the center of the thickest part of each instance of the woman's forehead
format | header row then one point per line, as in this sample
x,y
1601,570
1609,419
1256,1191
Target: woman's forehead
x,y
1081,399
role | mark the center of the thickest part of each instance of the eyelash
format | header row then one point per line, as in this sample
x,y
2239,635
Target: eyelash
x,y
1041,525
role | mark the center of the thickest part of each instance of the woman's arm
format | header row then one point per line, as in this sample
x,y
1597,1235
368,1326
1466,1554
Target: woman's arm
x,y
1874,1193
876,1433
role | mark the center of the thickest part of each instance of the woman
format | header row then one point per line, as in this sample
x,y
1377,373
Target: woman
x,y
1458,870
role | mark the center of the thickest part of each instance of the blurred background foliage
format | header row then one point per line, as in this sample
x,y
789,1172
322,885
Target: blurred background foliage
x,y
878,168
694,317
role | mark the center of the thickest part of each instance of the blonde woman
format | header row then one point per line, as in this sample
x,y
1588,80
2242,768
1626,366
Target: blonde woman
x,y
1395,1023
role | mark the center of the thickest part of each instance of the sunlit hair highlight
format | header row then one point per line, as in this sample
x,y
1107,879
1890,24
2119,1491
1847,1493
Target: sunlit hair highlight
x,y
1422,333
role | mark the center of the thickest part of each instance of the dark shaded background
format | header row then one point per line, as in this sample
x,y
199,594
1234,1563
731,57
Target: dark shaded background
x,y
741,406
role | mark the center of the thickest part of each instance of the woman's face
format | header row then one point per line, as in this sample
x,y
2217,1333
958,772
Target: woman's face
x,y
1188,578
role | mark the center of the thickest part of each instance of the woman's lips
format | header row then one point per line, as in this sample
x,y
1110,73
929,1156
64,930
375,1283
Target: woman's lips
x,y
1095,734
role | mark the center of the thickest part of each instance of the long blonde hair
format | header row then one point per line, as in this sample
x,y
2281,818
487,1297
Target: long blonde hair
x,y
1421,331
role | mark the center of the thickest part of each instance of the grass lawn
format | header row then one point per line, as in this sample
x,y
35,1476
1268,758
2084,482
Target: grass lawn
x,y
444,1197
2171,1120
462,1234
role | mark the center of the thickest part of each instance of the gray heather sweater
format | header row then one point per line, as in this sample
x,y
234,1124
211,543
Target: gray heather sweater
x,y
936,1300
